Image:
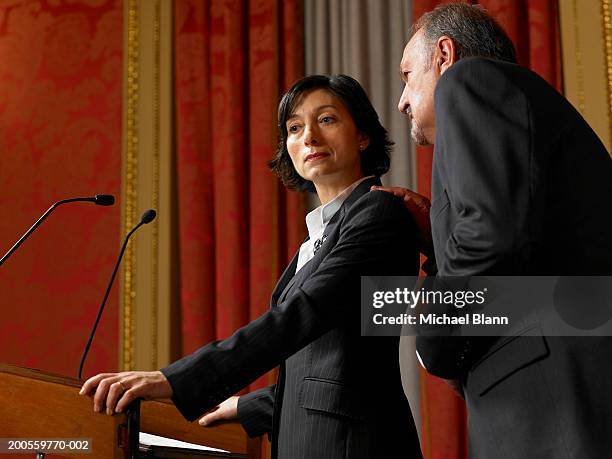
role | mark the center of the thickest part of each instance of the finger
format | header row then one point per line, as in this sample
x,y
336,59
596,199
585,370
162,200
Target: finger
x,y
213,409
414,206
214,416
407,195
415,201
414,197
88,386
115,392
128,397
397,191
102,392
208,419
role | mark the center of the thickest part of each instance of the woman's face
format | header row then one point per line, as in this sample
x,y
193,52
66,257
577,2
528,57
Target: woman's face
x,y
323,141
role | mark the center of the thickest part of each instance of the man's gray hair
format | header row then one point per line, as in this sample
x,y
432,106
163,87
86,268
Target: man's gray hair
x,y
472,29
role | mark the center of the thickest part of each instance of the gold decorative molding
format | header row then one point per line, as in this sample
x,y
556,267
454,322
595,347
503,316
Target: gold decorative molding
x,y
149,299
606,14
130,183
155,151
578,57
586,51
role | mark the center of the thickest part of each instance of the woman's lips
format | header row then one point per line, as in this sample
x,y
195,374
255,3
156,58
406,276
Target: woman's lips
x,y
315,156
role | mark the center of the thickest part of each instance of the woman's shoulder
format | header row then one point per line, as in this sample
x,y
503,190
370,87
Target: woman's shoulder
x,y
378,204
377,210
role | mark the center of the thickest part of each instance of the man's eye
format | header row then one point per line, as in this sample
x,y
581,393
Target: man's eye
x,y
293,128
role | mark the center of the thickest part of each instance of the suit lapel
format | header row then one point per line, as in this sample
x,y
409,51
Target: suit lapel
x,y
288,275
330,236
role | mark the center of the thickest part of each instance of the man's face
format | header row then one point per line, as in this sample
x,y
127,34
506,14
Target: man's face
x,y
417,99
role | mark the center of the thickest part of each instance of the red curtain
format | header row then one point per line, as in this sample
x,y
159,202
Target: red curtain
x,y
60,137
533,26
238,227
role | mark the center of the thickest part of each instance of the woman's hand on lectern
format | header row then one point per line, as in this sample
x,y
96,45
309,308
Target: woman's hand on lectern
x,y
226,411
115,391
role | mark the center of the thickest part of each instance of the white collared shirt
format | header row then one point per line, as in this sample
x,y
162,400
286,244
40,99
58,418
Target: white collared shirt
x,y
317,220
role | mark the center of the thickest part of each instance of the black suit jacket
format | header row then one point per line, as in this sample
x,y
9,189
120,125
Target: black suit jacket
x,y
521,185
338,394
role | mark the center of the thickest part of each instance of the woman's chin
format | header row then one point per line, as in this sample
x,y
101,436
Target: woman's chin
x,y
316,175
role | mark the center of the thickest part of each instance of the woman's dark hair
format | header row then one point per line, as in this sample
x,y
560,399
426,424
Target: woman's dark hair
x,y
375,159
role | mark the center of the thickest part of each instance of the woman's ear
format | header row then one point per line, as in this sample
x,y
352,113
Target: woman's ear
x,y
364,141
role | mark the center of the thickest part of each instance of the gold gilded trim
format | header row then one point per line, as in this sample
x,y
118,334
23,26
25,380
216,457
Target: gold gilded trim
x,y
131,170
578,57
606,14
156,184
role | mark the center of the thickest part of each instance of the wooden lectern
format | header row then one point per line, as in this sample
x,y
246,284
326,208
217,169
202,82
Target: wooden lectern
x,y
35,404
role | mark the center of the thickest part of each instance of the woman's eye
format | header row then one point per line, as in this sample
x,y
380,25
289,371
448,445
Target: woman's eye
x,y
293,128
327,119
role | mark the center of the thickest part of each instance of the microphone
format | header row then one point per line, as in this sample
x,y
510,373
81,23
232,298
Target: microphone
x,y
146,218
104,199
99,199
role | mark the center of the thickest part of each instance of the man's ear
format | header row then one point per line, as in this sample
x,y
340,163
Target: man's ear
x,y
445,54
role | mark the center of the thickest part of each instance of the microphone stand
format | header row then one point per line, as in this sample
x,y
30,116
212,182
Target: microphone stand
x,y
104,200
146,218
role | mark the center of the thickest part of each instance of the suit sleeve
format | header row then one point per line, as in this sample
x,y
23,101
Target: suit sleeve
x,y
483,151
376,232
255,411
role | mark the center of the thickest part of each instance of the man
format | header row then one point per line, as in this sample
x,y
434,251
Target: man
x,y
520,186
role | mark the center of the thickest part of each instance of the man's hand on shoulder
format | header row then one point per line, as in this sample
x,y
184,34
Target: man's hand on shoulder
x,y
418,206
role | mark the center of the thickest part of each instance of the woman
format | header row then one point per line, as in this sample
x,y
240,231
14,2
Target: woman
x,y
338,394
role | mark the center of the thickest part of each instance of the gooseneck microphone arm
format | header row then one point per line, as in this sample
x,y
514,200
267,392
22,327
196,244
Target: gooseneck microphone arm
x,y
146,218
99,199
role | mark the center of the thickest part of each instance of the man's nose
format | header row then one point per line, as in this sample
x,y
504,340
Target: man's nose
x,y
403,103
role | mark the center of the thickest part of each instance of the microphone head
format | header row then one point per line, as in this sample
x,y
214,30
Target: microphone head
x,y
104,199
148,216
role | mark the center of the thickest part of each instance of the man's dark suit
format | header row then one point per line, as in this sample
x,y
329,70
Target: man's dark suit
x,y
339,394
521,186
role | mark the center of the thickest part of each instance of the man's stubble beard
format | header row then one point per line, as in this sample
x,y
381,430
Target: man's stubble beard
x,y
417,133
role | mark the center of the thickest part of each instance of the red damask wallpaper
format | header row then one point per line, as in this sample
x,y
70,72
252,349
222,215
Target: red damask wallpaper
x,y
60,137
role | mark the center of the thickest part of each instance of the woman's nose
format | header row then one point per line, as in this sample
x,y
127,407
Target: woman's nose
x,y
311,135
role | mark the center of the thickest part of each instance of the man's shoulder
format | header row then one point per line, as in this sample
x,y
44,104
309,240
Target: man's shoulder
x,y
480,61
479,79
485,64
479,70
482,73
